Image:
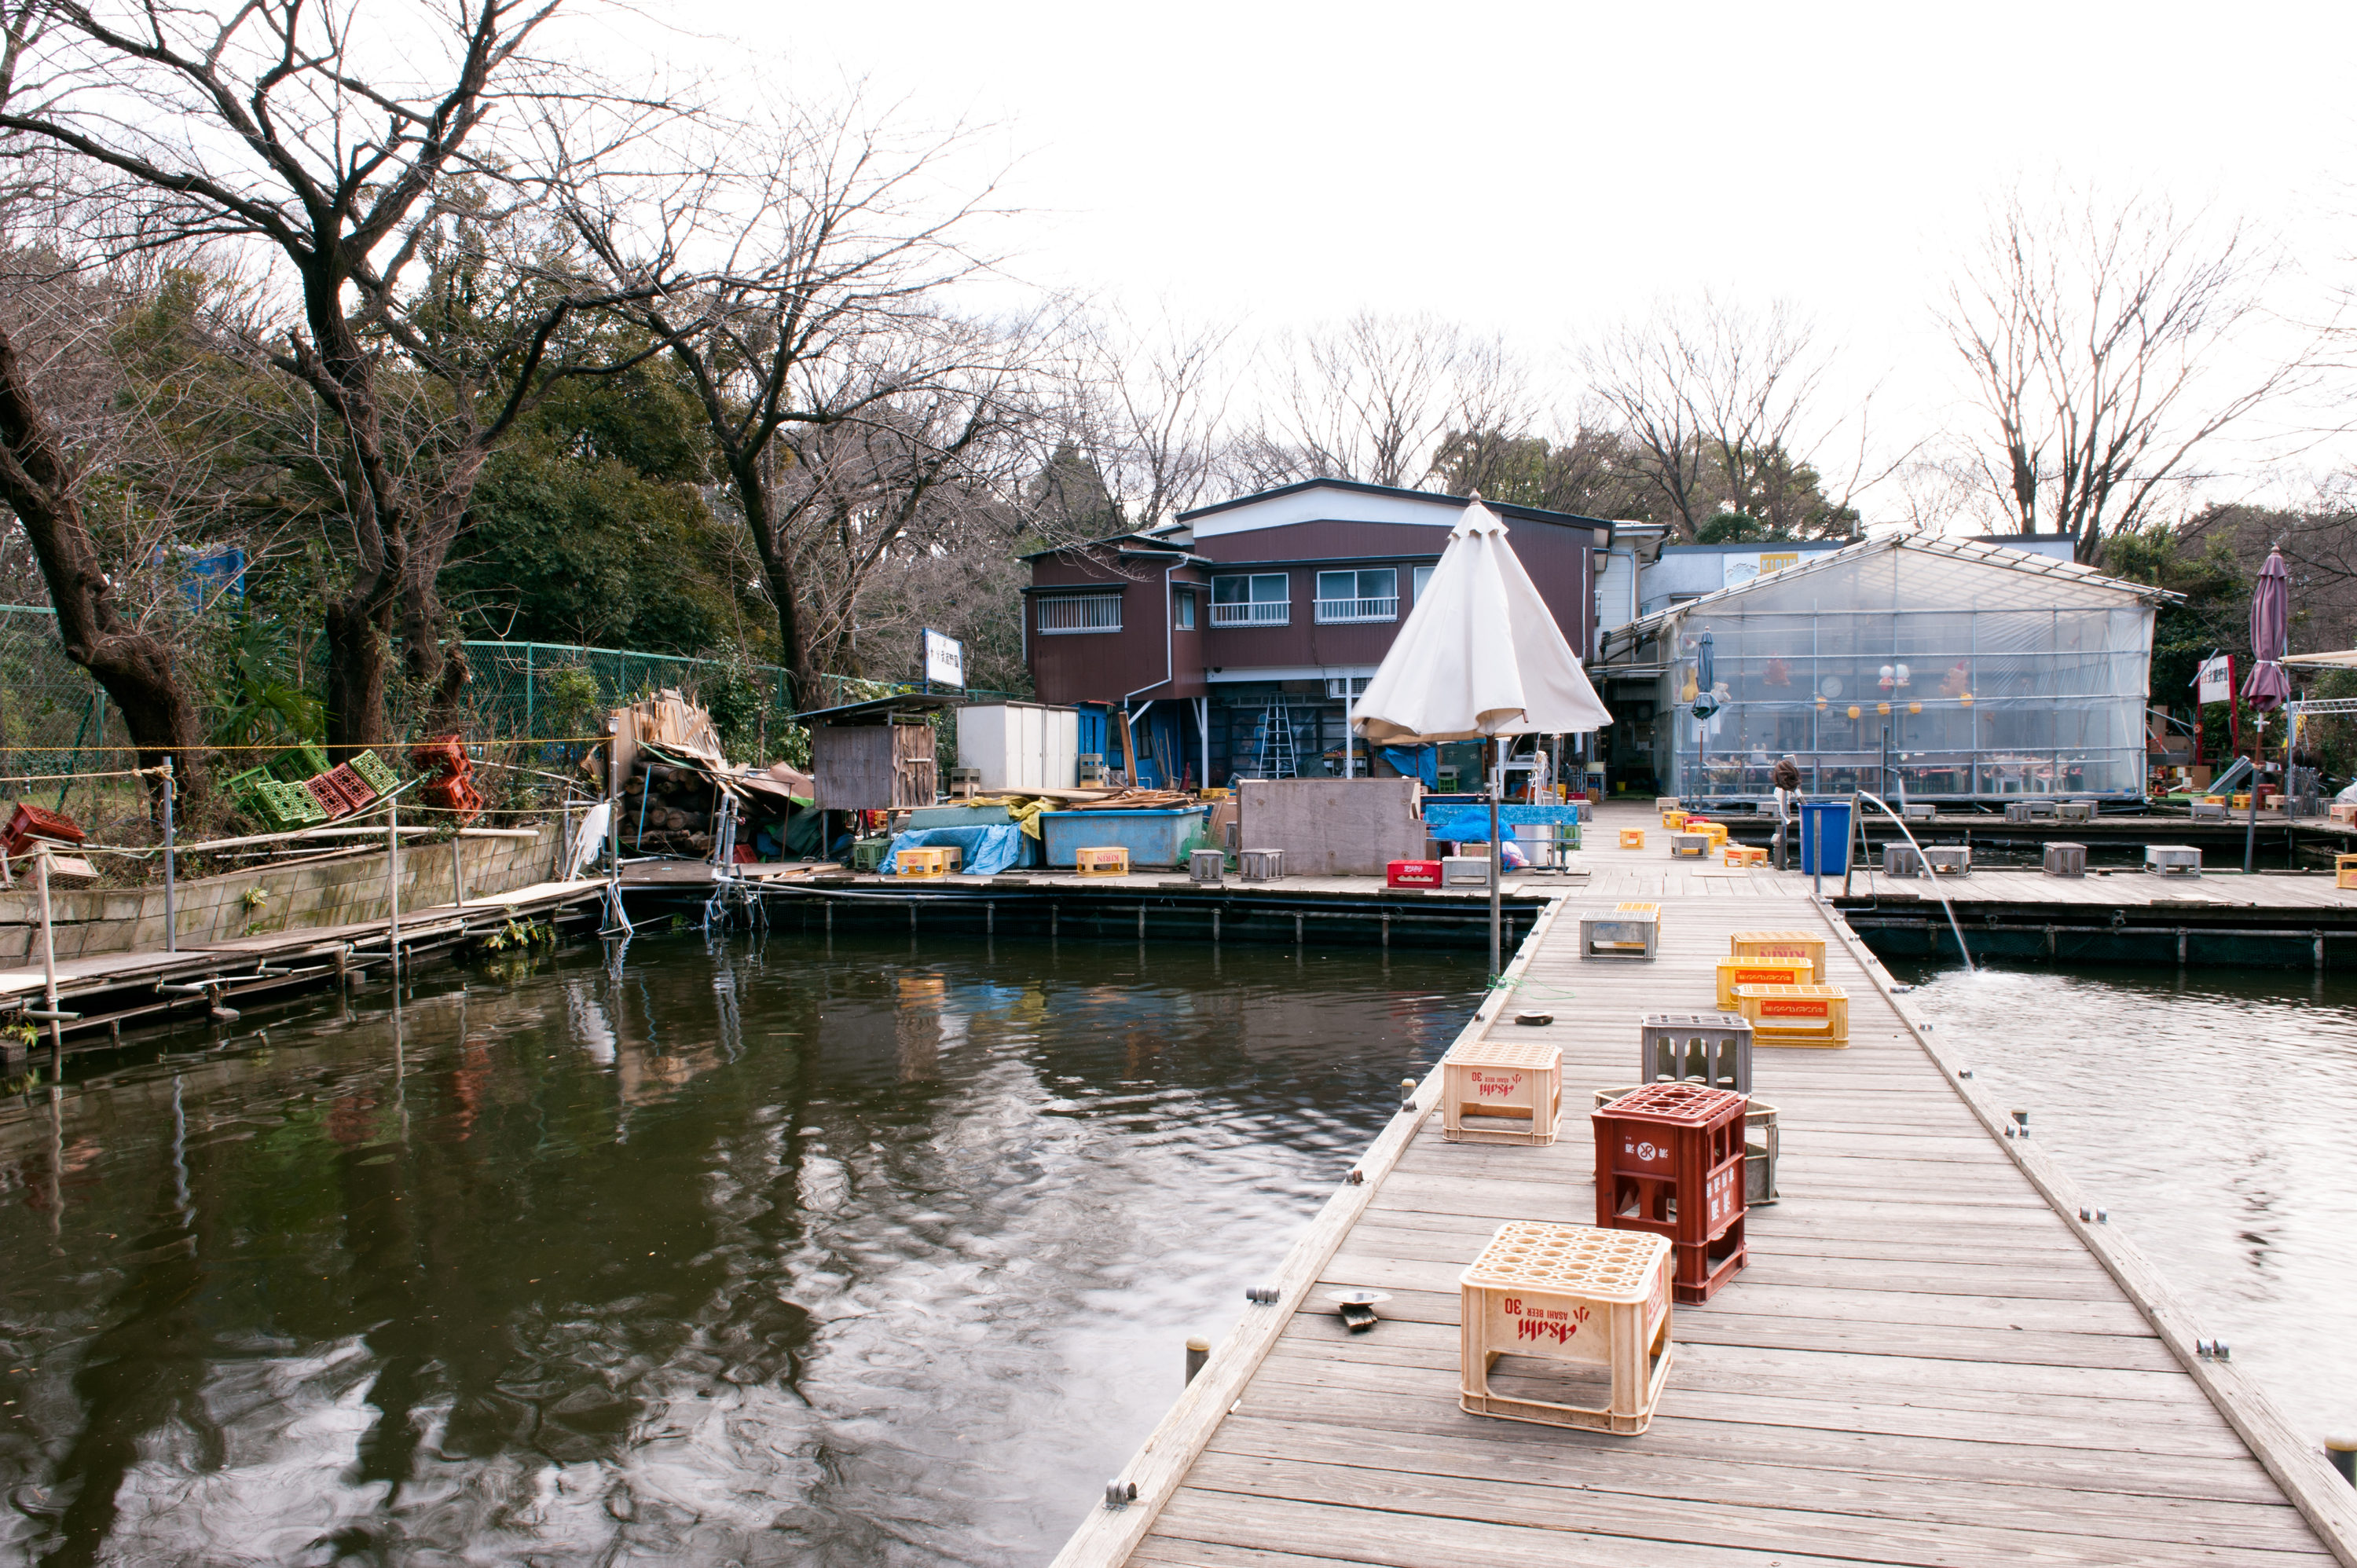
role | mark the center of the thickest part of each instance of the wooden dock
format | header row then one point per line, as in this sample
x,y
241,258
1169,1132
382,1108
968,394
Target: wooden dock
x,y
1931,1358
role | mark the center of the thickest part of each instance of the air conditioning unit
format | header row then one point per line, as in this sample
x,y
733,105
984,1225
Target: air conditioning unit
x,y
1345,687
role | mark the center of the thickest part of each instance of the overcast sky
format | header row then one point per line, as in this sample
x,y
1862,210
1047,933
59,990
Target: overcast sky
x,y
1545,168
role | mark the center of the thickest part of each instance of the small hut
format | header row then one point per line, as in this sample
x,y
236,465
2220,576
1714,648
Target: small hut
x,y
876,755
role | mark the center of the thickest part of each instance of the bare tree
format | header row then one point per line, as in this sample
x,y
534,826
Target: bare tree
x,y
338,151
1147,411
2097,338
830,256
1722,403
1374,398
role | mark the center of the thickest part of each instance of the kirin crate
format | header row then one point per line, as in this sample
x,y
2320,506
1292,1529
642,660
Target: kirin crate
x,y
1101,860
1735,971
1500,1082
927,863
1810,945
1795,1015
1571,1294
1669,1161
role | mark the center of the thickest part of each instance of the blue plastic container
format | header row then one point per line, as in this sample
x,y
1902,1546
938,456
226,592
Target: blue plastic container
x,y
1152,838
1831,818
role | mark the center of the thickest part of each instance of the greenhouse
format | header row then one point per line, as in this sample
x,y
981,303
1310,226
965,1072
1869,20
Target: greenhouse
x,y
1931,669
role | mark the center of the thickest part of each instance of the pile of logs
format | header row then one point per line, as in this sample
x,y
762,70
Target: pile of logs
x,y
668,810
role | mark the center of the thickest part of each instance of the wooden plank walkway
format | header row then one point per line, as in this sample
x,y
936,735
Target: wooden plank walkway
x,y
1925,1363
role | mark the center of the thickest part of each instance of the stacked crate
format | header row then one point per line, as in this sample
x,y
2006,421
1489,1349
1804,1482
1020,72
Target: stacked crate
x,y
1669,1161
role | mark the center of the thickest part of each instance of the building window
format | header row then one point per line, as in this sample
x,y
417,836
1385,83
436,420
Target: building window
x,y
1182,608
1257,600
1369,595
1423,579
1081,612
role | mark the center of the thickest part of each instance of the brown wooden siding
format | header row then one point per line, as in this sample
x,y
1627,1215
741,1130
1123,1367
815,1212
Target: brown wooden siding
x,y
1106,666
872,768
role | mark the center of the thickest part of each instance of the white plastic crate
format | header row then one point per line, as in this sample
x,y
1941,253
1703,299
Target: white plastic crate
x,y
1570,1294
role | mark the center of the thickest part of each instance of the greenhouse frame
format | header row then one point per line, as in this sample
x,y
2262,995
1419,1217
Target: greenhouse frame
x,y
1910,666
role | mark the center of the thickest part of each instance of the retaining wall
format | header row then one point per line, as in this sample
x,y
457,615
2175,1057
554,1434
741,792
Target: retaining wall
x,y
344,890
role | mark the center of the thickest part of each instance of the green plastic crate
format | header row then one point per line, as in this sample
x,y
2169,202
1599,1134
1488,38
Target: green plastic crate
x,y
296,806
297,763
376,773
868,854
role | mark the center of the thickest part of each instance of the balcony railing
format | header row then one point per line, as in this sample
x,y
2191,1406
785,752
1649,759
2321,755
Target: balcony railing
x,y
1331,610
1260,612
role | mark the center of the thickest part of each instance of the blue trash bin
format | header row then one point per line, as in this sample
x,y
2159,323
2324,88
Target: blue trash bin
x,y
1831,817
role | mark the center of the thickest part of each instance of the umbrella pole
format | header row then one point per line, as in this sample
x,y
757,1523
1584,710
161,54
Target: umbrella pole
x,y
1497,857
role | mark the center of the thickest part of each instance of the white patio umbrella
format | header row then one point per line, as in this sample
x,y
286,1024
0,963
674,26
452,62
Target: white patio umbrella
x,y
1481,656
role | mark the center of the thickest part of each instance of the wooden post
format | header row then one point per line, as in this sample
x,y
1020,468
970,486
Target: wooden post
x,y
393,891
1199,1350
172,868
49,970
457,875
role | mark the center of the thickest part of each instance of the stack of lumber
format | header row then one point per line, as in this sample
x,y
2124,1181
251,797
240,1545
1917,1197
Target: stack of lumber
x,y
1130,801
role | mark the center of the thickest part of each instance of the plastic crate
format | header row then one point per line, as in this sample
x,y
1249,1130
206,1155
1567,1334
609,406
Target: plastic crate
x,y
1744,854
1102,860
445,754
1412,874
1574,1293
376,773
1619,935
1782,970
294,805
1669,1161
2344,871
1260,864
1502,1080
1632,838
1949,860
1465,871
2075,811
356,790
2208,810
1795,1015
1638,907
297,763
1809,945
1674,820
868,853
1900,860
1686,845
1712,1048
1762,1145
1666,802
929,863
1208,867
2241,802
29,821
2066,860
2172,859
329,795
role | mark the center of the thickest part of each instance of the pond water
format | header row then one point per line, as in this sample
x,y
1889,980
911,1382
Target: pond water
x,y
2214,1113
744,1252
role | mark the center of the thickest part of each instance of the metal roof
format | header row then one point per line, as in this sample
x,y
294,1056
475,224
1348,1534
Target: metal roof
x,y
880,708
1354,487
2024,562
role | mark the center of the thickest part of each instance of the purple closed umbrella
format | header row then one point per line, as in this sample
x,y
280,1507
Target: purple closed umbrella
x,y
2267,687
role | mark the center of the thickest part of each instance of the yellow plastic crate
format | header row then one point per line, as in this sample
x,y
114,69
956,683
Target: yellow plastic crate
x,y
1111,861
1781,944
1674,820
1632,838
2240,804
1503,1079
2344,871
1744,854
1571,1294
929,864
1211,794
1717,832
1814,1015
1782,970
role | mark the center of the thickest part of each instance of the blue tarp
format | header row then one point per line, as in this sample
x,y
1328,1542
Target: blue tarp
x,y
1462,823
1415,762
986,851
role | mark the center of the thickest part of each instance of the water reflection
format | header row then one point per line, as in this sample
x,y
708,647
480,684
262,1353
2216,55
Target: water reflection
x,y
2212,1112
707,1253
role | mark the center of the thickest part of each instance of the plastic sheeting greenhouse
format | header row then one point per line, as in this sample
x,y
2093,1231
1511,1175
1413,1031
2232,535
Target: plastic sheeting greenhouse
x,y
1941,670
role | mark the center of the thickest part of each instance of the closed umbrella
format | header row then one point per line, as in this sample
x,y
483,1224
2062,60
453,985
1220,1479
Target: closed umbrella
x,y
1480,655
2266,686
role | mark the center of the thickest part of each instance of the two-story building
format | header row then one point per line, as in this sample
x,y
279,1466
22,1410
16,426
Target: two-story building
x,y
1236,636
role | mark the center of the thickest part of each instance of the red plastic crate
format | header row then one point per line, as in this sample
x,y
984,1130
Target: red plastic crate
x,y
1669,1160
355,788
1412,874
453,794
331,796
446,753
29,823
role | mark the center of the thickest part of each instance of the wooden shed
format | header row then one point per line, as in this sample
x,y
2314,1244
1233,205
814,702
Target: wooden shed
x,y
876,755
